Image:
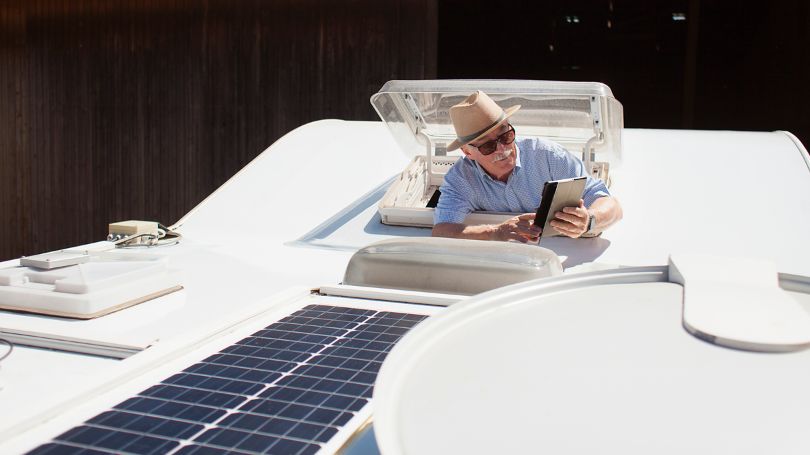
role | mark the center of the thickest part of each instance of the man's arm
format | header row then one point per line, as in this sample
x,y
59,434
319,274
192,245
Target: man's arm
x,y
520,228
606,211
573,221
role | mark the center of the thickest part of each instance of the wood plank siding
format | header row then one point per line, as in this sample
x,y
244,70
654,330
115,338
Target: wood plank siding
x,y
138,109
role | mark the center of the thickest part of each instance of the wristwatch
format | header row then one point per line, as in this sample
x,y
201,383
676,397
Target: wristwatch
x,y
591,223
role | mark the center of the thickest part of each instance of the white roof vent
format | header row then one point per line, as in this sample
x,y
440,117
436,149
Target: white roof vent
x,y
451,266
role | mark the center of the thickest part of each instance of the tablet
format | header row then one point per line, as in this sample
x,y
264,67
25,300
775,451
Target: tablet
x,y
558,194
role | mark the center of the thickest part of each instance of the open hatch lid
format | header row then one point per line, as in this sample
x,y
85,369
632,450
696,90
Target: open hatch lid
x,y
570,113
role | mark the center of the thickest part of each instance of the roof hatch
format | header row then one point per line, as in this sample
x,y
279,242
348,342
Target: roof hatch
x,y
584,117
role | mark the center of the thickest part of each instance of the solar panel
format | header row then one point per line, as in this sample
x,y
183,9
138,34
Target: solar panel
x,y
285,389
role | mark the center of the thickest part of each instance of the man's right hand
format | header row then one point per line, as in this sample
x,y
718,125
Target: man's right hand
x,y
520,228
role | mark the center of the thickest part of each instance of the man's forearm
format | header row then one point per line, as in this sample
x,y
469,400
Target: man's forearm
x,y
520,228
607,212
462,231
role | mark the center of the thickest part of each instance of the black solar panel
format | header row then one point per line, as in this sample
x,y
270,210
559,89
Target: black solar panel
x,y
286,389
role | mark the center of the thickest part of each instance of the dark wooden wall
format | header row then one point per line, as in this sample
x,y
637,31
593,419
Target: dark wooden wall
x,y
702,64
138,109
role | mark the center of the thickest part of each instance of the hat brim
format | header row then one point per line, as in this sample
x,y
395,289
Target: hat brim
x,y
507,113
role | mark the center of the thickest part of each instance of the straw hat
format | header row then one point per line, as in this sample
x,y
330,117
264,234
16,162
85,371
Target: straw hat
x,y
475,117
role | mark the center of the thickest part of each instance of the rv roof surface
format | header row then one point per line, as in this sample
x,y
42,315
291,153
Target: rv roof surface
x,y
287,223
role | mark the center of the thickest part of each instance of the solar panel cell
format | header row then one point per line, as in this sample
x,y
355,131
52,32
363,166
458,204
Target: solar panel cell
x,y
308,382
174,429
117,440
290,410
358,390
232,372
307,431
194,396
282,393
254,442
364,377
194,413
64,449
344,402
294,447
295,336
195,449
259,423
275,343
231,438
143,444
259,354
343,351
196,381
326,434
145,424
367,345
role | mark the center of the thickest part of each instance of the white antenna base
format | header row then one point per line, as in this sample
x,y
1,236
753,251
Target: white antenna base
x,y
737,303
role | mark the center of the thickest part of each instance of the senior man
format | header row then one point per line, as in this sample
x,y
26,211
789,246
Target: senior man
x,y
504,173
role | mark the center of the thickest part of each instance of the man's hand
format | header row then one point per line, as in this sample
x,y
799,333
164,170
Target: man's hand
x,y
520,228
571,221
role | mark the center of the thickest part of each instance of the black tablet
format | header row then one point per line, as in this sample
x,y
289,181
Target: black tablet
x,y
558,194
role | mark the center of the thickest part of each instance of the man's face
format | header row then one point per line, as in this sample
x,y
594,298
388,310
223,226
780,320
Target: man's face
x,y
500,162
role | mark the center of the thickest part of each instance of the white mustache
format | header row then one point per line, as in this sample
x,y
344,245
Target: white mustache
x,y
502,156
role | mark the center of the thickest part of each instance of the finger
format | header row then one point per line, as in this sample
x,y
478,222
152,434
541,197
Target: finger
x,y
525,230
582,203
573,230
526,216
532,228
526,224
519,238
529,235
573,233
578,210
570,218
566,228
562,225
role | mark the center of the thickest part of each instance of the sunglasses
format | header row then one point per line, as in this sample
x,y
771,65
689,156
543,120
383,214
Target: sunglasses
x,y
489,147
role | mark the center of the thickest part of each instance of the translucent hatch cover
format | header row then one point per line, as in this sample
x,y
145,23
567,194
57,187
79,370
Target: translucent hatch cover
x,y
570,113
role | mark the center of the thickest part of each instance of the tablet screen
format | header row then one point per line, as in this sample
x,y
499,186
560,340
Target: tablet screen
x,y
558,194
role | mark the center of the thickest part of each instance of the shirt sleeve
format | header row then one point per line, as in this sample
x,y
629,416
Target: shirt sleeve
x,y
454,203
563,165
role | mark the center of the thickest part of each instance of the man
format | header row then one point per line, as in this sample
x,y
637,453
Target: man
x,y
502,173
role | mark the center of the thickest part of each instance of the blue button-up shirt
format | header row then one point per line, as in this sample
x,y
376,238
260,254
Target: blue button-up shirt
x,y
467,187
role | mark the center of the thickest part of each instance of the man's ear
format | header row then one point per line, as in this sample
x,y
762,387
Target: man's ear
x,y
466,151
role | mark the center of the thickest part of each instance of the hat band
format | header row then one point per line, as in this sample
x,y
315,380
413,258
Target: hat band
x,y
469,137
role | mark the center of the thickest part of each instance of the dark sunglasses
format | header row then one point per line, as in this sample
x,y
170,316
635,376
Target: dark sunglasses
x,y
489,147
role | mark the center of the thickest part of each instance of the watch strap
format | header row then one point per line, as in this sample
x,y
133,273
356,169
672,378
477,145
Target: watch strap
x,y
591,223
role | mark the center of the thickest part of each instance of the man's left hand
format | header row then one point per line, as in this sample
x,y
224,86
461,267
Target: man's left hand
x,y
571,221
